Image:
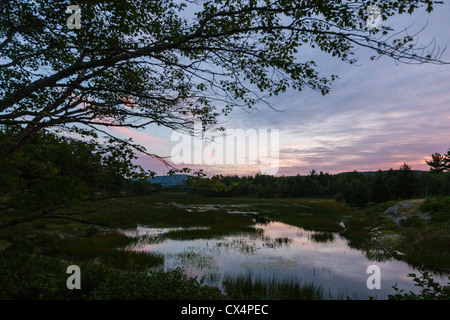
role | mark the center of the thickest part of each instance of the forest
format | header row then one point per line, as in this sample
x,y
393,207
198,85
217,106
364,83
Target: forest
x,y
354,188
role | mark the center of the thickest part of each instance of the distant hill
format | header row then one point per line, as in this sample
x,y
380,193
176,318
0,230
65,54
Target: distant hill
x,y
363,172
373,172
173,180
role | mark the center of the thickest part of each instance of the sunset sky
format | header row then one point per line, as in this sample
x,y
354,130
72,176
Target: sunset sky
x,y
378,115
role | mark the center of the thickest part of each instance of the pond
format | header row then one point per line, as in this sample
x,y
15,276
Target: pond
x,y
281,251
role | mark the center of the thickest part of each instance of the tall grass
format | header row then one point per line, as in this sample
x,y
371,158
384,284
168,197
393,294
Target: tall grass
x,y
322,237
314,215
215,231
247,288
110,249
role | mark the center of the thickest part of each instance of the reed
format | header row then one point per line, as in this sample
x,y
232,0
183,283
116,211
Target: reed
x,y
110,249
249,288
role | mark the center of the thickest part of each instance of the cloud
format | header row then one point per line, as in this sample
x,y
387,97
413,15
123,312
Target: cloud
x,y
377,115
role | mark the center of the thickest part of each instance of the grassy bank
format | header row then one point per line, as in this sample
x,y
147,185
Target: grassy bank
x,y
109,249
427,242
419,242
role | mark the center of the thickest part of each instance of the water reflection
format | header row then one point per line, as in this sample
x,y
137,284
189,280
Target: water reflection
x,y
281,251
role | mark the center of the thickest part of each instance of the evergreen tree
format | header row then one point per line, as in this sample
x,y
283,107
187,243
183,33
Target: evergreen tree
x,y
380,192
406,182
447,160
438,162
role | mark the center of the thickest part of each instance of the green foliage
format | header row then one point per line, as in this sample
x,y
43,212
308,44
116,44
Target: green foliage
x,y
405,184
439,207
212,186
30,277
374,209
427,244
110,249
37,277
356,193
380,192
47,172
34,267
413,221
51,171
170,285
429,289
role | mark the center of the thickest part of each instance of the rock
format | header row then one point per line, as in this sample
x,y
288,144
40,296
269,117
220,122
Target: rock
x,y
404,210
424,215
401,208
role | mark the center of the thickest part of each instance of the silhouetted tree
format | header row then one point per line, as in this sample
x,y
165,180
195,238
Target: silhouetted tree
x,y
406,181
380,192
437,163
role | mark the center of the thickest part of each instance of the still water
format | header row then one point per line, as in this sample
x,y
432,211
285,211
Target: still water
x,y
282,251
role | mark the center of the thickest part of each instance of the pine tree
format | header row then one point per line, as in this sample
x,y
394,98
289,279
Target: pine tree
x,y
439,162
380,192
447,160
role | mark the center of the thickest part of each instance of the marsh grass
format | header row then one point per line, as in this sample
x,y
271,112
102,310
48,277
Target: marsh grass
x,y
424,245
247,288
199,260
214,232
320,215
310,214
110,249
427,247
153,211
322,237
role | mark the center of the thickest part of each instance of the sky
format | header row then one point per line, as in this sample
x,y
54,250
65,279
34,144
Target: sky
x,y
378,114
